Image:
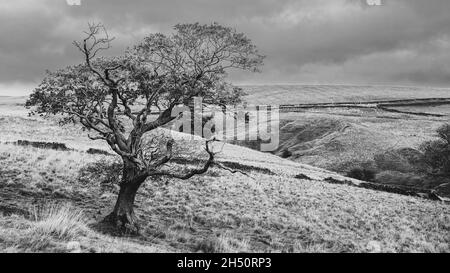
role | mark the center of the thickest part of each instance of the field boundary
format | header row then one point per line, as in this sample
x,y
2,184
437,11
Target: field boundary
x,y
384,105
429,194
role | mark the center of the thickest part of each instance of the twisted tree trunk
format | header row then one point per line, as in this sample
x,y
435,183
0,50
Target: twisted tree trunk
x,y
123,217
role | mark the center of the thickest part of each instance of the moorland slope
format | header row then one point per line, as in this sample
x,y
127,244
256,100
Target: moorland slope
x,y
271,204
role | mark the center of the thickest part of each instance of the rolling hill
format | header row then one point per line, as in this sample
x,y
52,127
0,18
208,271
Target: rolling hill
x,y
341,128
270,205
296,94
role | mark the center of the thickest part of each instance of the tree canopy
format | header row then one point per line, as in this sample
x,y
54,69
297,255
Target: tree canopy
x,y
162,71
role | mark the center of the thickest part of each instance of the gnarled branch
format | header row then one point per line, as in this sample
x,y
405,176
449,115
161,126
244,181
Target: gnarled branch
x,y
192,172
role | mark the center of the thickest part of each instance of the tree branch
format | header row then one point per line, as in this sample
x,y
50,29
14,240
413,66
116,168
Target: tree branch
x,y
191,172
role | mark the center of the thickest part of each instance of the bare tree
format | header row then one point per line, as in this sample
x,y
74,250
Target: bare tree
x,y
160,73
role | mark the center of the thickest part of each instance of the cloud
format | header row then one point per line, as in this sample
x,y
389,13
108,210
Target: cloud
x,y
322,41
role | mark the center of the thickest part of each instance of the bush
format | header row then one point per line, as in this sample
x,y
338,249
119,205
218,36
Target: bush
x,y
399,178
286,153
393,161
436,153
42,145
362,174
94,151
413,156
303,177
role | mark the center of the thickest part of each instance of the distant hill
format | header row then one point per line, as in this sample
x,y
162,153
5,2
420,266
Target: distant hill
x,y
10,100
296,94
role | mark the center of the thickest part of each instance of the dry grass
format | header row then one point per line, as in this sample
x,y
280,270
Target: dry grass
x,y
276,213
52,225
61,228
224,243
62,222
216,212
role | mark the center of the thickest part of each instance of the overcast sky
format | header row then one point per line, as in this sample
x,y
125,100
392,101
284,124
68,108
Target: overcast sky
x,y
402,42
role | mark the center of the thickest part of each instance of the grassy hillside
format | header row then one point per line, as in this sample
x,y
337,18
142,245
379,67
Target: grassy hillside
x,y
342,139
329,138
266,209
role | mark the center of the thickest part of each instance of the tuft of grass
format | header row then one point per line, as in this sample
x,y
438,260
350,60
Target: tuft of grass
x,y
21,235
62,222
228,244
225,243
